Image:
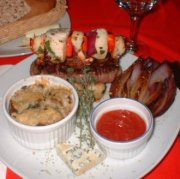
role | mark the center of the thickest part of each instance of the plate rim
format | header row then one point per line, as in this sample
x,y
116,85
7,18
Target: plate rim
x,y
143,173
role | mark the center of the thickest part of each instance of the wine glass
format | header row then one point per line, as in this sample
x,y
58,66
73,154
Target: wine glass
x,y
136,9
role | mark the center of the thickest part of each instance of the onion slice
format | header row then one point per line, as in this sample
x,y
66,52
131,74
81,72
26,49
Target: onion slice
x,y
91,38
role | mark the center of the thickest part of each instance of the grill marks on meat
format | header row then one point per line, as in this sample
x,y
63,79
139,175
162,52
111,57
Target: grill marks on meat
x,y
149,82
103,71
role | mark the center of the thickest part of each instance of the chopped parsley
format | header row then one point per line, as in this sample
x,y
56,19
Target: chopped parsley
x,y
70,70
47,45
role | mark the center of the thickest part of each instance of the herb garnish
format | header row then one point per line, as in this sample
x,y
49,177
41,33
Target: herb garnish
x,y
40,49
86,100
47,45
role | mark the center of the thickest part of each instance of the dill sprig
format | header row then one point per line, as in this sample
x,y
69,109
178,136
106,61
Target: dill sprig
x,y
86,100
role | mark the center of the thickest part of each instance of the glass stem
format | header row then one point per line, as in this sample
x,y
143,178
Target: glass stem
x,y
134,27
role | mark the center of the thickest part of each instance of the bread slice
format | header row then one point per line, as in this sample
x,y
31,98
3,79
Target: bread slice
x,y
13,10
42,13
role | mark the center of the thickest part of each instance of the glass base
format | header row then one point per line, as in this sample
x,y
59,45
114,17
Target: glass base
x,y
139,49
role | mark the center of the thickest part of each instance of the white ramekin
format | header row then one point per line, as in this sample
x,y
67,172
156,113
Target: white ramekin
x,y
41,137
125,149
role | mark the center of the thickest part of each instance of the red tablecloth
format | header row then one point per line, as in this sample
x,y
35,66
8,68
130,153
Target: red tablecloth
x,y
160,30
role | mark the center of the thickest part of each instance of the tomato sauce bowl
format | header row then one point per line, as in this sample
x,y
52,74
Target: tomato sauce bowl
x,y
122,127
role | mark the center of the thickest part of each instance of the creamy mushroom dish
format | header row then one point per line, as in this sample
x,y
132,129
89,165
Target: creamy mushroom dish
x,y
41,104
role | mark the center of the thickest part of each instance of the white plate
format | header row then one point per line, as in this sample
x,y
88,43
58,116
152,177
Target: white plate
x,y
46,164
12,48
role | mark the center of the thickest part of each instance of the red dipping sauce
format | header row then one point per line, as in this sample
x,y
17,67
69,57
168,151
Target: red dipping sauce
x,y
121,125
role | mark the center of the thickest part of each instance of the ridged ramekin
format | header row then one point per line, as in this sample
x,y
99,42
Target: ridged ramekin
x,y
122,149
41,137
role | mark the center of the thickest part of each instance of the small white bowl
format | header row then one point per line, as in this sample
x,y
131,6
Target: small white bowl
x,y
122,149
41,137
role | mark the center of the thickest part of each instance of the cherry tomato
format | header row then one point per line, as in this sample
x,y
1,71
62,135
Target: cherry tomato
x,y
111,42
31,42
69,47
84,44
